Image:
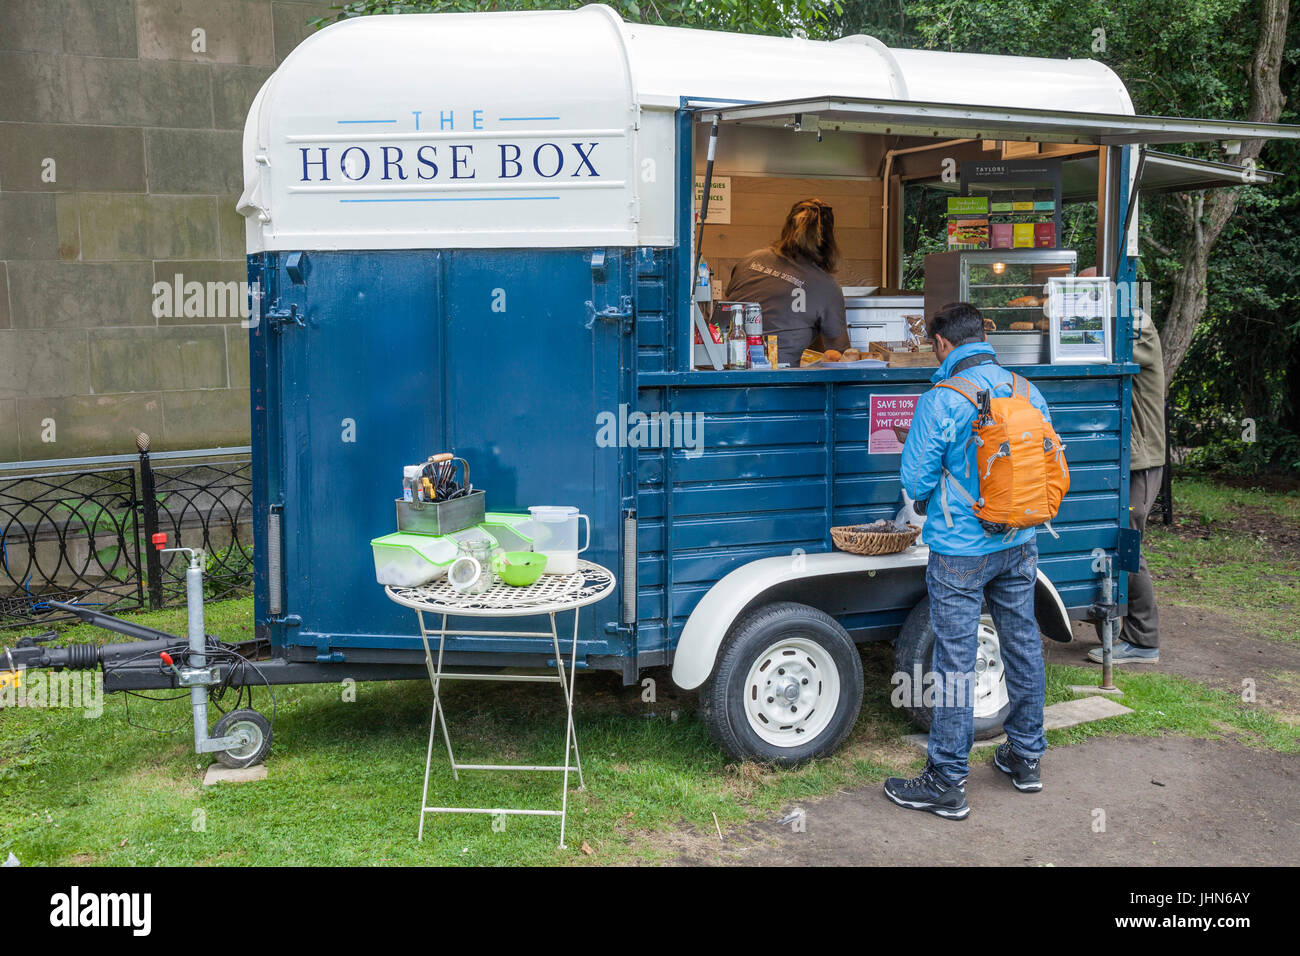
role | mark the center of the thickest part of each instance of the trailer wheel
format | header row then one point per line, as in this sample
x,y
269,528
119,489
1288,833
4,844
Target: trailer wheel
x,y
787,686
258,729
914,653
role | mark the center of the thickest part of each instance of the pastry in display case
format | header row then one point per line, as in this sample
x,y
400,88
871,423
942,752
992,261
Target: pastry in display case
x,y
1009,287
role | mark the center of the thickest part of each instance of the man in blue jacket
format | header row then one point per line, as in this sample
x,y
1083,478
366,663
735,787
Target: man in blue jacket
x,y
969,566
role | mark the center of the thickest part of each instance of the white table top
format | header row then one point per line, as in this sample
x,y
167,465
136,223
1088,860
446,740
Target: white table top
x,y
551,593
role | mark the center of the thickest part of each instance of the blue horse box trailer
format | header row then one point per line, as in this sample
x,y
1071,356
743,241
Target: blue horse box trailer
x,y
474,232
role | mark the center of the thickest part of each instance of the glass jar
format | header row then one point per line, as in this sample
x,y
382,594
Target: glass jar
x,y
480,549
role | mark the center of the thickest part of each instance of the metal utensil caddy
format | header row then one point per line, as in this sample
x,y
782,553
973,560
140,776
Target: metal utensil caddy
x,y
442,517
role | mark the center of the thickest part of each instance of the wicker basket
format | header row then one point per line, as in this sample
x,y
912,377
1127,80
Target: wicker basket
x,y
850,538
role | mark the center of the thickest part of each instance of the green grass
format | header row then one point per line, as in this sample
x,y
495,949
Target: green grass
x,y
1207,501
345,778
1229,571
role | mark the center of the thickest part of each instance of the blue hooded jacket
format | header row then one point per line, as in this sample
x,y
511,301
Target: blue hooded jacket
x,y
939,439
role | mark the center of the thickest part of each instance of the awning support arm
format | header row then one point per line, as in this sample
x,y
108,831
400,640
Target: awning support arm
x,y
697,316
1121,246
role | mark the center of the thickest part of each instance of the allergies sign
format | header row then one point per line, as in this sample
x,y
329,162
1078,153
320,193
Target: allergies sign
x,y
890,421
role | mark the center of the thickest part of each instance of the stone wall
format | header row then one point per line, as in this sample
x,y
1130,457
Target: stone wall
x,y
120,166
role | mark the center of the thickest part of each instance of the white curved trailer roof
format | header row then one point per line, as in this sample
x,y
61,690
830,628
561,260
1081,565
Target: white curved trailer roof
x,y
555,128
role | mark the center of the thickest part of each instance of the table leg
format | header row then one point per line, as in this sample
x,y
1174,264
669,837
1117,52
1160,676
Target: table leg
x,y
571,739
573,677
435,679
570,732
437,700
428,762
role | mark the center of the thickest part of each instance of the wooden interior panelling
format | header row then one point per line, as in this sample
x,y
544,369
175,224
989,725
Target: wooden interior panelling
x,y
759,206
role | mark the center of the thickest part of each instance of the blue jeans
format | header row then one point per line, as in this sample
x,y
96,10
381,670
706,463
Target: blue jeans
x,y
958,586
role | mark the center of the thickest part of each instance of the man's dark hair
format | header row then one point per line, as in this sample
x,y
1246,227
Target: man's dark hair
x,y
959,323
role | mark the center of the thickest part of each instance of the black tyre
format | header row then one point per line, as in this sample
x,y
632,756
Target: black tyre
x,y
258,729
786,688
914,648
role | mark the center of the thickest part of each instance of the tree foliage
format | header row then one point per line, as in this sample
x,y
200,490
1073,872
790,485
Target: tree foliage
x,y
779,17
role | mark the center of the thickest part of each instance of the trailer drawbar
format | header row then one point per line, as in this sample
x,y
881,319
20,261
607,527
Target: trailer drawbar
x,y
206,665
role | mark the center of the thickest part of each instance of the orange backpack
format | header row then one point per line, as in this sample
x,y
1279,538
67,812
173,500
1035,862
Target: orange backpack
x,y
1020,460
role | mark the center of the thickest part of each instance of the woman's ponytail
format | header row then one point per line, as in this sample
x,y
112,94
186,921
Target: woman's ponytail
x,y
809,233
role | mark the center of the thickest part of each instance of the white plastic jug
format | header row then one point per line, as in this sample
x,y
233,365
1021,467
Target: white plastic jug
x,y
555,534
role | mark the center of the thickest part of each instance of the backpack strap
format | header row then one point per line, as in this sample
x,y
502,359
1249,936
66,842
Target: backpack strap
x,y
970,361
946,478
947,383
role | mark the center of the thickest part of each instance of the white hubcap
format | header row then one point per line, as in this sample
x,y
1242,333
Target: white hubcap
x,y
990,675
792,692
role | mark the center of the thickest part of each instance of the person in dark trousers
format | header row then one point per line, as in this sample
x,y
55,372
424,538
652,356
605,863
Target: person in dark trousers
x,y
968,567
791,279
1139,640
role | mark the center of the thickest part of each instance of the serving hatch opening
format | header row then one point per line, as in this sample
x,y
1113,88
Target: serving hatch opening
x,y
866,157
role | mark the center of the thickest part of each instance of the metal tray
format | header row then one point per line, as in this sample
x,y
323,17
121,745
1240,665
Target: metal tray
x,y
440,517
1020,348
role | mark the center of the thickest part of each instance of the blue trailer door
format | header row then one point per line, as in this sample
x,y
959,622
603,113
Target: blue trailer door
x,y
401,354
528,369
359,381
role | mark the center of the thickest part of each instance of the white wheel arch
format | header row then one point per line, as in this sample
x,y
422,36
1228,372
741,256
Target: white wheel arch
x,y
697,650
718,609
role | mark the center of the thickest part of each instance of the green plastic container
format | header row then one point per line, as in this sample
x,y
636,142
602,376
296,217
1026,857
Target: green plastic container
x,y
407,560
404,560
513,531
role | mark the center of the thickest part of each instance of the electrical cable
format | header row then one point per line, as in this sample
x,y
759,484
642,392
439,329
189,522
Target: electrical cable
x,y
214,648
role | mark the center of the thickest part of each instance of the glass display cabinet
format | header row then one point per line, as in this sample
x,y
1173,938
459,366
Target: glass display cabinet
x,y
1008,286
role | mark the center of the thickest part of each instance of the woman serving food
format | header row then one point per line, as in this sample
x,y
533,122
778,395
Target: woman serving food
x,y
791,279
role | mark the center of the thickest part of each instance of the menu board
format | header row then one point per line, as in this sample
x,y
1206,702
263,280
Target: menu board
x,y
1018,203
1080,313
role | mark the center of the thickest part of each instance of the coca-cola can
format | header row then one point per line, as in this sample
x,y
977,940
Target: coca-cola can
x,y
753,319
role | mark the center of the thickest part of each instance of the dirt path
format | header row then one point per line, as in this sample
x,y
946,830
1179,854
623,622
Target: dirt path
x,y
1167,801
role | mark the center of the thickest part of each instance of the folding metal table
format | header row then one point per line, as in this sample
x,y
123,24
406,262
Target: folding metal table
x,y
551,595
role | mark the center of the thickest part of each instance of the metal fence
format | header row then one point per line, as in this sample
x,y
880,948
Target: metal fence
x,y
80,531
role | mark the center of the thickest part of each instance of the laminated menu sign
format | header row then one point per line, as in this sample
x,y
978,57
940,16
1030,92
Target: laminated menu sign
x,y
890,421
968,223
1079,315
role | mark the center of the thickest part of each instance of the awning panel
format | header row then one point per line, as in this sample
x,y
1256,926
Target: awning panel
x,y
950,120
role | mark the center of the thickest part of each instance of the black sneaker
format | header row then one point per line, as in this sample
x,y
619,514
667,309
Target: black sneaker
x,y
1022,771
929,792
